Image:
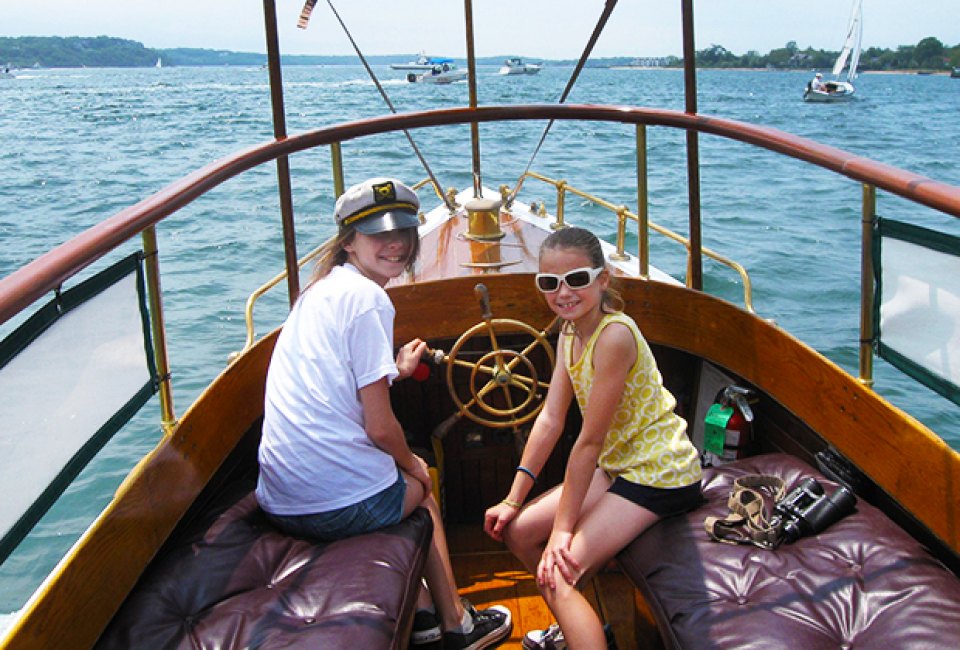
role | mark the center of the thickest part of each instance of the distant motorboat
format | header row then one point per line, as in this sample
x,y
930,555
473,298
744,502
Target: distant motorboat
x,y
422,62
516,65
955,73
439,74
838,90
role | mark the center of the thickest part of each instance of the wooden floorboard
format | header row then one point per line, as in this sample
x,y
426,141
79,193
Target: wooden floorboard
x,y
488,574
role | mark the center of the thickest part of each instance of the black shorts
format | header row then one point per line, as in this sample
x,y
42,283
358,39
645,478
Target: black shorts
x,y
662,502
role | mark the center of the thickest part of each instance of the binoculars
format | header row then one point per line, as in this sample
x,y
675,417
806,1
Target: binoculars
x,y
806,510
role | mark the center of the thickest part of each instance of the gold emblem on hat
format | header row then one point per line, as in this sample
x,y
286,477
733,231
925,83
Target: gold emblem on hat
x,y
384,192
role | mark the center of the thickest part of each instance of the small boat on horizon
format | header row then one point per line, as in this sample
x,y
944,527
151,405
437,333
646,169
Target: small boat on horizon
x,y
446,73
516,65
841,90
422,62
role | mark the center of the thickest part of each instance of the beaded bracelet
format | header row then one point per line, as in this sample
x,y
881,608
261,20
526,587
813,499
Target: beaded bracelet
x,y
512,504
521,468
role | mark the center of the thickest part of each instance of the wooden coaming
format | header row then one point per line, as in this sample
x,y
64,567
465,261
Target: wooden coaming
x,y
891,447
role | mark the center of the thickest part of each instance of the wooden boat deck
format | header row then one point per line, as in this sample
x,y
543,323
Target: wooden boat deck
x,y
488,574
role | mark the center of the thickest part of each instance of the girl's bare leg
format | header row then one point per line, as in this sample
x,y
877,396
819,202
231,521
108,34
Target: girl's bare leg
x,y
438,571
608,523
605,529
527,535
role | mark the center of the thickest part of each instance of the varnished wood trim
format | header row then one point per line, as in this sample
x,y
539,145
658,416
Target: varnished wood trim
x,y
893,448
447,308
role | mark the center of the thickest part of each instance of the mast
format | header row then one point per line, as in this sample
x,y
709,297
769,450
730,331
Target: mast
x,y
694,258
283,164
472,84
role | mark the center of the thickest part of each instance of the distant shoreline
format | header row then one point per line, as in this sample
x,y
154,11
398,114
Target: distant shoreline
x,y
922,72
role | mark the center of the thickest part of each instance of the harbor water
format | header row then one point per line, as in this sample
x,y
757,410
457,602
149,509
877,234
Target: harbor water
x,y
78,145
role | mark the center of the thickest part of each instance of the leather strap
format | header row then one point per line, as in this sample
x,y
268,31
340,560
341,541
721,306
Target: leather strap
x,y
749,520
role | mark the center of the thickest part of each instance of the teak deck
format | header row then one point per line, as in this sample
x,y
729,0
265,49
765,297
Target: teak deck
x,y
488,574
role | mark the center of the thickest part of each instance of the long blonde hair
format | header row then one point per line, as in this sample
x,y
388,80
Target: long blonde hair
x,y
333,253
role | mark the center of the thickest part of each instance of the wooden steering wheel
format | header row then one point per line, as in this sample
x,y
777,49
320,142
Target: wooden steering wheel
x,y
504,374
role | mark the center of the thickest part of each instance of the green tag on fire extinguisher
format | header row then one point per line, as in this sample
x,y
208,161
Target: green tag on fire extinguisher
x,y
715,428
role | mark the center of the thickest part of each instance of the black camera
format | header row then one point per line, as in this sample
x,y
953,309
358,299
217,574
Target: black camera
x,y
806,510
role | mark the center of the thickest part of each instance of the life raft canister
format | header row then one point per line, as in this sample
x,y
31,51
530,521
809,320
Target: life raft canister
x,y
728,426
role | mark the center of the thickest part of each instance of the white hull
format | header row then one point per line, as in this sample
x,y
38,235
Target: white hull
x,y
839,91
528,68
434,77
516,66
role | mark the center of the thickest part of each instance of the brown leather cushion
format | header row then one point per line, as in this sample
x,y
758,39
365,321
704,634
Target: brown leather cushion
x,y
232,581
861,583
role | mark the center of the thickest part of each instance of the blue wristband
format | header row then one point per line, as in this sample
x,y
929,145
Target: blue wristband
x,y
521,468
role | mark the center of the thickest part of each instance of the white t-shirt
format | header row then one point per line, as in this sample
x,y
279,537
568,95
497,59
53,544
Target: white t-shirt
x,y
315,454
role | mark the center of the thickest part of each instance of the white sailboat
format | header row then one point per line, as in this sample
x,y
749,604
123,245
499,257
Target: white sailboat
x,y
839,90
159,63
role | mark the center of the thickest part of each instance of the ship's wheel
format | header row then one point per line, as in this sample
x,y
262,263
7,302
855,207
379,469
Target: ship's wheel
x,y
501,387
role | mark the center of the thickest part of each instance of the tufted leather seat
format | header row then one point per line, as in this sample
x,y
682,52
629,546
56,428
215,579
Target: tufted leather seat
x,y
232,581
862,583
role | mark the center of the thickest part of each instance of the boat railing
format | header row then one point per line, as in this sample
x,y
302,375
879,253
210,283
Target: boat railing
x,y
22,288
623,215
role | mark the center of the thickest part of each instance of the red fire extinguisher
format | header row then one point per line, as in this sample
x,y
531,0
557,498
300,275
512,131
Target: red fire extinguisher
x,y
728,430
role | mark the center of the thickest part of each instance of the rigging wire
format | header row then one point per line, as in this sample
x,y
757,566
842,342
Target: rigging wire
x,y
302,24
601,23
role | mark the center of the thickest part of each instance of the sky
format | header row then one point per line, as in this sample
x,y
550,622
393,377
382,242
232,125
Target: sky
x,y
550,29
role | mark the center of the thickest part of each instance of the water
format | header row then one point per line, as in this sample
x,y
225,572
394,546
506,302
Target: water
x,y
78,145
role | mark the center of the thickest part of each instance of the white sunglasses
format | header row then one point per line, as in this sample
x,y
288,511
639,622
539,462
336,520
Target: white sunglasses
x,y
576,279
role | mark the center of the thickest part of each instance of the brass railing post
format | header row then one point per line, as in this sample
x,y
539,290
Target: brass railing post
x,y
643,216
867,221
621,255
151,263
561,196
336,160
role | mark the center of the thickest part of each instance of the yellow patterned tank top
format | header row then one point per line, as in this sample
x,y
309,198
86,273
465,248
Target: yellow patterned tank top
x,y
647,442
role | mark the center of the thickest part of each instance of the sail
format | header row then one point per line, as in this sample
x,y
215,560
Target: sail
x,y
851,43
855,58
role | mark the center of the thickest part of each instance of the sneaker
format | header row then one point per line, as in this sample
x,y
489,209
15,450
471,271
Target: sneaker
x,y
552,639
490,627
426,628
548,639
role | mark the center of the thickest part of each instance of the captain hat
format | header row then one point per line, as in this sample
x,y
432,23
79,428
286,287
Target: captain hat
x,y
377,205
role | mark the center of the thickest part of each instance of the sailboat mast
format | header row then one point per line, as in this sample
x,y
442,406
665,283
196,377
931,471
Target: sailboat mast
x,y
851,44
855,58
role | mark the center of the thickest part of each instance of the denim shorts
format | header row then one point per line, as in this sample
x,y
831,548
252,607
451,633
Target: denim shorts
x,y
383,509
662,502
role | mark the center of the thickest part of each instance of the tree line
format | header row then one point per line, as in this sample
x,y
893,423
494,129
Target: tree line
x,y
105,51
929,54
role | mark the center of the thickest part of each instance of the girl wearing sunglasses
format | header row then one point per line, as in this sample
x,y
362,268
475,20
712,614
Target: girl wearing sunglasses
x,y
631,465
